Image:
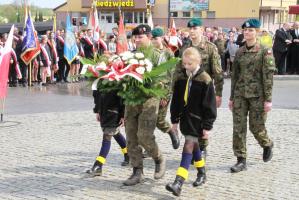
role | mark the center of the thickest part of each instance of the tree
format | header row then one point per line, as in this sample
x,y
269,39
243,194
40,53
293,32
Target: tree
x,y
40,17
36,17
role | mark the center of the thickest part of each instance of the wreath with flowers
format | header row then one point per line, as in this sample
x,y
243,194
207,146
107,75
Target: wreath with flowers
x,y
131,74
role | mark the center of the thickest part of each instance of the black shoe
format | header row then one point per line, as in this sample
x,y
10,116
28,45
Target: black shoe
x,y
268,153
176,186
126,161
201,177
96,170
175,140
135,178
239,166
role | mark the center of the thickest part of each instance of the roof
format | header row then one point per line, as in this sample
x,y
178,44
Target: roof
x,y
294,9
61,5
39,26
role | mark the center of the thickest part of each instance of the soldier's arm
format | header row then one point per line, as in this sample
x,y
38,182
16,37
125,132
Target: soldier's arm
x,y
234,76
217,72
268,72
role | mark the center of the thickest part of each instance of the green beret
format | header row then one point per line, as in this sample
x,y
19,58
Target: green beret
x,y
141,29
252,23
157,32
194,22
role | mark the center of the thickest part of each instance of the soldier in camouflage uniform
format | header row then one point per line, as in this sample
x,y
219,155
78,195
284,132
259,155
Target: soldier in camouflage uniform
x,y
165,54
210,63
140,120
251,94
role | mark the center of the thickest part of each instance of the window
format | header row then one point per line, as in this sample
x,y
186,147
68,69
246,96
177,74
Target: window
x,y
128,17
211,14
136,15
74,21
174,14
197,14
116,17
186,14
141,17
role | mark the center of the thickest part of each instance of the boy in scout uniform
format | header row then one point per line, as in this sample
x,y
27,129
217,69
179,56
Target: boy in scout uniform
x,y
251,94
210,63
140,120
165,54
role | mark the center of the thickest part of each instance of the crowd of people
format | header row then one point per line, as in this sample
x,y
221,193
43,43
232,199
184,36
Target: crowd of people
x,y
195,90
50,66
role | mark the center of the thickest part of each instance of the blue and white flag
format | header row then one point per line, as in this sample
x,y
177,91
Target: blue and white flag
x,y
70,45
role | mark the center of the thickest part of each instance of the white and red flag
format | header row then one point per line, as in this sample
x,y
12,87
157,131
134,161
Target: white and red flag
x,y
5,56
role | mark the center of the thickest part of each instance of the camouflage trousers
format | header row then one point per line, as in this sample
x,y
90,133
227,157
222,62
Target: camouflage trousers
x,y
140,123
162,124
254,107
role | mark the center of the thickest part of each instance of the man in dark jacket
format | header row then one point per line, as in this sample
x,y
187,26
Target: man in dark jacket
x,y
280,47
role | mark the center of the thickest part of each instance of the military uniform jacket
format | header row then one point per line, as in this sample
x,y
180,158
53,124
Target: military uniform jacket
x,y
200,112
110,107
165,55
252,73
210,63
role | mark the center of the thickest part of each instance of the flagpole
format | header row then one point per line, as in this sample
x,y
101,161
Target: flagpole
x,y
30,75
2,109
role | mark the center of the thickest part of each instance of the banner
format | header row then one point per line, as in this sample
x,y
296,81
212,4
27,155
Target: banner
x,y
188,5
70,45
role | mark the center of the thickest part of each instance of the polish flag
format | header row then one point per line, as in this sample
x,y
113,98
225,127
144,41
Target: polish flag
x,y
5,55
121,43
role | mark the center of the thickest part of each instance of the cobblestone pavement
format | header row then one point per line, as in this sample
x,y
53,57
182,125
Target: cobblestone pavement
x,y
44,155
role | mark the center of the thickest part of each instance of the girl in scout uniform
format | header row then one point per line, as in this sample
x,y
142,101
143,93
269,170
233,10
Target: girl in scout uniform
x,y
193,105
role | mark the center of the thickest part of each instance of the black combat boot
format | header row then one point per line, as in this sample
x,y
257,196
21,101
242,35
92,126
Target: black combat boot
x,y
96,169
176,186
268,153
175,140
201,177
126,160
135,178
239,166
160,167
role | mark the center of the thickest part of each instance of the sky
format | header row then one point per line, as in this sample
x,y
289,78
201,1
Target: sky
x,y
39,3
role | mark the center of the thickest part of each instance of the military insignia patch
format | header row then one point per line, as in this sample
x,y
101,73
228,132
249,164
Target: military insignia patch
x,y
247,24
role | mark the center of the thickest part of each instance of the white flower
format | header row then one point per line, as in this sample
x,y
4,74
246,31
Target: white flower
x,y
101,66
126,55
141,62
139,55
149,65
133,61
114,58
140,70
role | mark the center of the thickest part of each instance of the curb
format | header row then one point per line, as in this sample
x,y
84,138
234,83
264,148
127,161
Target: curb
x,y
286,77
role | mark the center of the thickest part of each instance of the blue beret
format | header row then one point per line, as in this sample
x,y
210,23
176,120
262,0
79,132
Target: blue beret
x,y
252,23
141,29
157,32
194,22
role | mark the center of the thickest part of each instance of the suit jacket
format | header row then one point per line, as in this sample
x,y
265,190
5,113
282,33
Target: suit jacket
x,y
294,36
279,42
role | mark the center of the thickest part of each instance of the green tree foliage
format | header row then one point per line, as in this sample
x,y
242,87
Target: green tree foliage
x,y
9,12
40,16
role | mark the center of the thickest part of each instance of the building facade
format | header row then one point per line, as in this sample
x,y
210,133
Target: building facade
x,y
224,13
